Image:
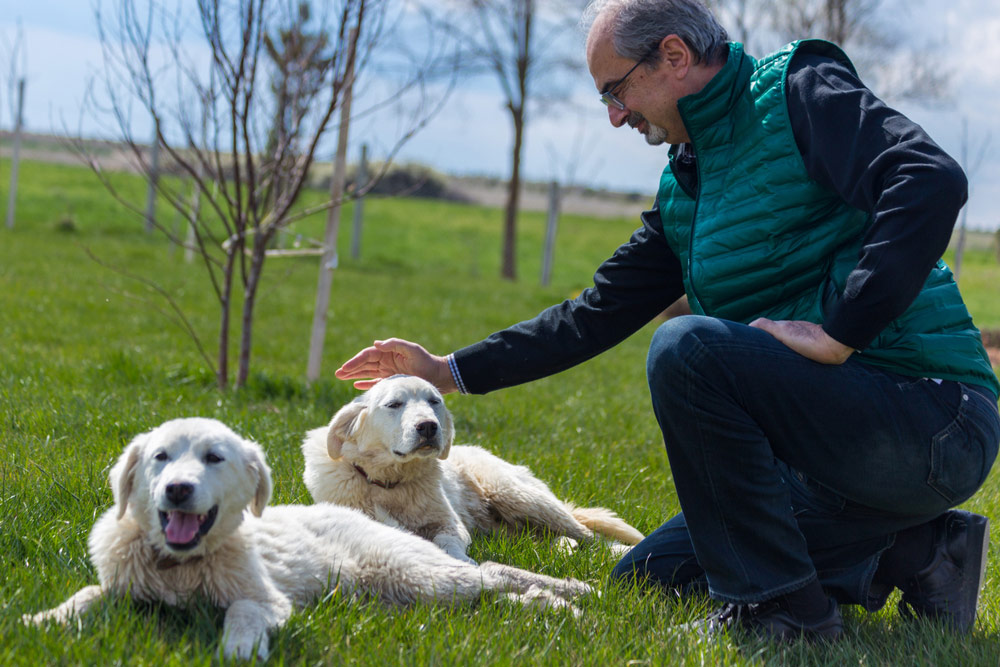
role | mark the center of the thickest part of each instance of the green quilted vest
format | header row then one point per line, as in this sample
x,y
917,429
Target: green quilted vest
x,y
762,239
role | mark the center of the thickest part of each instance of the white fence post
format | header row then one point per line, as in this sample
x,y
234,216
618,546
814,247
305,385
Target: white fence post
x,y
328,262
18,125
360,180
550,233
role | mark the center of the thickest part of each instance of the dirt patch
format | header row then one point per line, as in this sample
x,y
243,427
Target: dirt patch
x,y
991,341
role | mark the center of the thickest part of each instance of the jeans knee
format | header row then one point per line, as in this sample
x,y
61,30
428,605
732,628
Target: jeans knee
x,y
628,570
666,569
672,349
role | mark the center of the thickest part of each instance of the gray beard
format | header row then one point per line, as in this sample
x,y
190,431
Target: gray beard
x,y
655,136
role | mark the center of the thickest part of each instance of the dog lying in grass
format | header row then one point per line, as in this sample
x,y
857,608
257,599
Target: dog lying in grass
x,y
389,453
178,529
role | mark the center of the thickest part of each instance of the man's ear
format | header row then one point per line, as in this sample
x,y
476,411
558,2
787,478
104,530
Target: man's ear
x,y
676,53
345,424
122,474
262,473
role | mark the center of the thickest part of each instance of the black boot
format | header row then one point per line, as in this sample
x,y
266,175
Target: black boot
x,y
947,589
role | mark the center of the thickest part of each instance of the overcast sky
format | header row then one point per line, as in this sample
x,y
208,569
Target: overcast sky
x,y
471,135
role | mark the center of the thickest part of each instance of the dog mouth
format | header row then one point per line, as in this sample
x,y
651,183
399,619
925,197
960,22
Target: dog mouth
x,y
425,447
184,530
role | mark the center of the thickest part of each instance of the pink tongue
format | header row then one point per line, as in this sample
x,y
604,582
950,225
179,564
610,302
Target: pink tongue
x,y
181,527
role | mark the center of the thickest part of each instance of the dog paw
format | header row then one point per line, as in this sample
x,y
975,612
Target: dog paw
x,y
244,646
537,597
43,617
456,551
565,544
619,549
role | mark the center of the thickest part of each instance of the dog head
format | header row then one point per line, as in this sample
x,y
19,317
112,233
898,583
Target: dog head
x,y
402,416
187,482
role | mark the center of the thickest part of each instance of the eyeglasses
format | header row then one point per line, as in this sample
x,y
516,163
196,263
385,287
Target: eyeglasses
x,y
608,98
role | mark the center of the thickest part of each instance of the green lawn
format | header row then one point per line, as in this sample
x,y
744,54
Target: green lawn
x,y
88,359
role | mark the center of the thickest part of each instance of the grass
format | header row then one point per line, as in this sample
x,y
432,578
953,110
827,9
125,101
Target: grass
x,y
87,360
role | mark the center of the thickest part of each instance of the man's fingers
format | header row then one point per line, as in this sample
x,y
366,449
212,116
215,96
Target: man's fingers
x,y
398,346
362,362
386,358
380,360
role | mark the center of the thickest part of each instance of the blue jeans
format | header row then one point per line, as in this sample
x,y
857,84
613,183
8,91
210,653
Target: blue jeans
x,y
787,470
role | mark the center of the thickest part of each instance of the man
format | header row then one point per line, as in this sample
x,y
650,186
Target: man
x,y
830,399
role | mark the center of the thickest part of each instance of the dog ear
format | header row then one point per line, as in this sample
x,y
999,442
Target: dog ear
x,y
262,473
122,474
448,431
348,421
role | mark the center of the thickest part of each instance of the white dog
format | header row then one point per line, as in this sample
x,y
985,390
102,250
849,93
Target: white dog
x,y
389,453
178,529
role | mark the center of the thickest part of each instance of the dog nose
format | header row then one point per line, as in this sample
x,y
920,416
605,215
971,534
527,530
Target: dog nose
x,y
427,429
179,492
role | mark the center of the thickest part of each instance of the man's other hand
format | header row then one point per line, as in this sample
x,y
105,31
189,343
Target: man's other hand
x,y
806,338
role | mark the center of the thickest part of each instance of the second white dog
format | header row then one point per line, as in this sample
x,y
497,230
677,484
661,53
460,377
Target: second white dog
x,y
389,453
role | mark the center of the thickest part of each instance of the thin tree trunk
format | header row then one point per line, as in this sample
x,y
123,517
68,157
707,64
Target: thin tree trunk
x,y
509,269
525,16
225,302
154,178
249,301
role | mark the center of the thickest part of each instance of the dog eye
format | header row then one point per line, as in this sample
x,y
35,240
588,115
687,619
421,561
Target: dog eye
x,y
434,401
394,405
211,457
161,456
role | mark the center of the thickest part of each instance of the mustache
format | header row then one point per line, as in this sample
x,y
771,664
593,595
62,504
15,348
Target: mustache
x,y
634,119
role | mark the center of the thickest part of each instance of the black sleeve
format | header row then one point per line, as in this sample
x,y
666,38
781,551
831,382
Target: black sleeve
x,y
641,279
881,162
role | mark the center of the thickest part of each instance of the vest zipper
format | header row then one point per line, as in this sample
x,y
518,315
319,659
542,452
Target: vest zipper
x,y
697,199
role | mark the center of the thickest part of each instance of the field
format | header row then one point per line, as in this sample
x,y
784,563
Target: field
x,y
89,358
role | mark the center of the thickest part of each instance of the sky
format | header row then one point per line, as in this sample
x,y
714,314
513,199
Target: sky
x,y
471,134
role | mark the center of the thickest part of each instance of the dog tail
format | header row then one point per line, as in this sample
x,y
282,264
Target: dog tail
x,y
604,521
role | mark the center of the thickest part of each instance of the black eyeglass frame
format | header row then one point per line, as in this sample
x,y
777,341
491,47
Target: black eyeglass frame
x,y
608,98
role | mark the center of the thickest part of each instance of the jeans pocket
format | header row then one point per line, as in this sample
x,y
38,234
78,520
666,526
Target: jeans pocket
x,y
963,452
811,497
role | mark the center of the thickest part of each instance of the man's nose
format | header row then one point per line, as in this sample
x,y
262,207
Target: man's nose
x,y
617,116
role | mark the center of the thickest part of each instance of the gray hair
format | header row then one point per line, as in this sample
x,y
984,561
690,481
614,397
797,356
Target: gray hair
x,y
637,26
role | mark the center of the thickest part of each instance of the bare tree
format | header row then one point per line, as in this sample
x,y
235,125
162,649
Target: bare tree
x,y
525,45
214,115
743,19
897,66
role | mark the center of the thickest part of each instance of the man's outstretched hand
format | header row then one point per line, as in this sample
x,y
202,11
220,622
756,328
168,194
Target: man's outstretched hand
x,y
395,356
806,338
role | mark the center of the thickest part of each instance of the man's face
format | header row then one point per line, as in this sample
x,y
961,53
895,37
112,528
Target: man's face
x,y
647,92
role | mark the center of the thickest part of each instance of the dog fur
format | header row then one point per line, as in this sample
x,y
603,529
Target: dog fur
x,y
389,453
178,529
